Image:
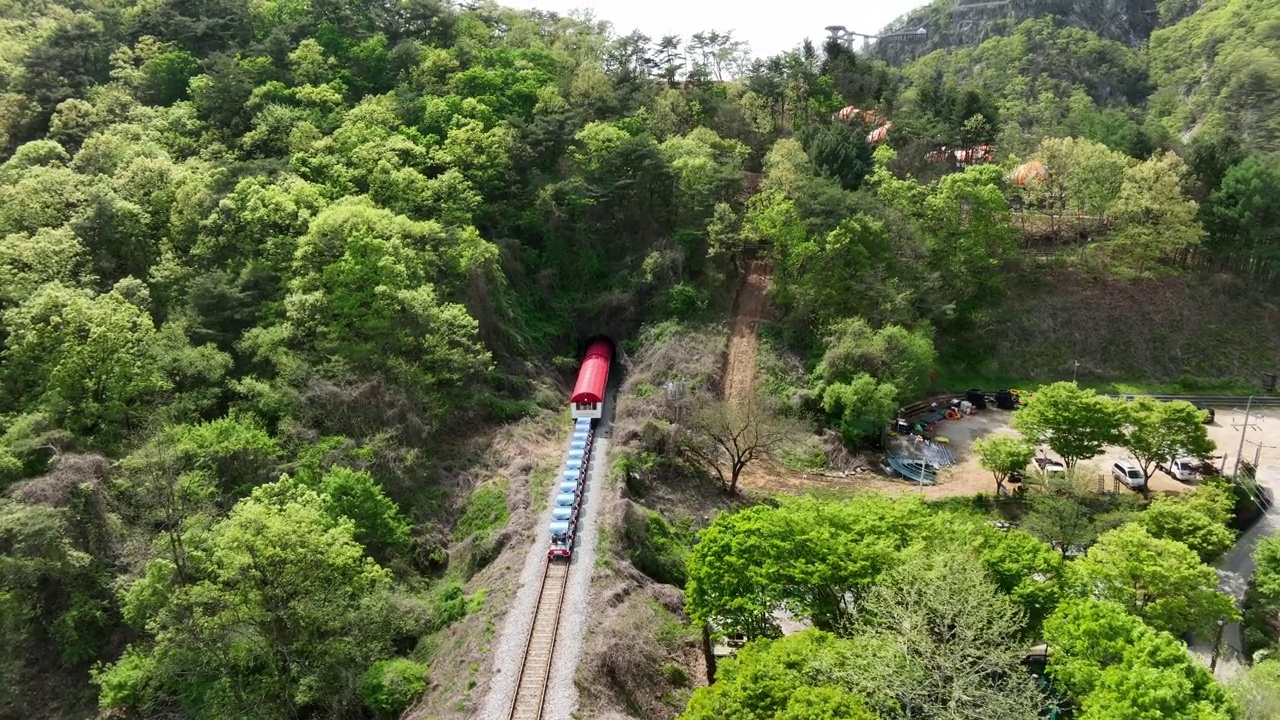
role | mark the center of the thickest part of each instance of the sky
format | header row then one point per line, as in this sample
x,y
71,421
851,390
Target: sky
x,y
769,27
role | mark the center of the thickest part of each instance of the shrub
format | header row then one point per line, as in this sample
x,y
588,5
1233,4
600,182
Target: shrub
x,y
675,674
655,547
484,512
389,686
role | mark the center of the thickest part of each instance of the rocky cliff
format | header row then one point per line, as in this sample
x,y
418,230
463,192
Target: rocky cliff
x,y
960,23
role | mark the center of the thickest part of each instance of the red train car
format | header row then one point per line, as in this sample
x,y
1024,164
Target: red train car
x,y
588,393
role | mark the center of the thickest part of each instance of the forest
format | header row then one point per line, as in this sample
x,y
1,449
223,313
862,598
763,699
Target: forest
x,y
268,268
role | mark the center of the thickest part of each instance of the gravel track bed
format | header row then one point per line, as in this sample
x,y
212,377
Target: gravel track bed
x,y
562,694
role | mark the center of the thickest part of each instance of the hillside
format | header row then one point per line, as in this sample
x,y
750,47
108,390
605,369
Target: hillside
x,y
292,296
950,24
1195,335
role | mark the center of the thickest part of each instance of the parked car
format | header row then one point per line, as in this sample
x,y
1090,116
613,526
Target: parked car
x,y
1208,418
1050,467
1129,474
1182,469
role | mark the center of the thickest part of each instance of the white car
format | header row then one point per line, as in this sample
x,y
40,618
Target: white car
x,y
1183,469
1129,474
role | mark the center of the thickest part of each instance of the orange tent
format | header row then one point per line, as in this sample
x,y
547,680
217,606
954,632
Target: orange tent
x,y
1028,172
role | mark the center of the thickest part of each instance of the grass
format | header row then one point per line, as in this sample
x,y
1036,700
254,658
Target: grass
x,y
484,512
1178,335
541,480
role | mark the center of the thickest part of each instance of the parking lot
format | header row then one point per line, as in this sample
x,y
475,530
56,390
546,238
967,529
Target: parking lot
x,y
1262,440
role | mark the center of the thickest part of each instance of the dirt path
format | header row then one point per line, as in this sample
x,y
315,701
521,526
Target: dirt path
x,y
744,338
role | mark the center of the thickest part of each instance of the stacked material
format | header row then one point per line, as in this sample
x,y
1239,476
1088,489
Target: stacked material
x,y
913,470
938,455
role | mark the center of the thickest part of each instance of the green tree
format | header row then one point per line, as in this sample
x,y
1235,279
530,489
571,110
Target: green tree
x,y
1002,455
1257,691
861,407
1060,519
91,360
1117,667
892,355
813,556
287,613
391,686
1075,423
1086,173
945,640
840,151
1161,581
51,589
777,679
1023,567
1155,431
371,288
28,261
379,525
1155,222
1242,215
1197,519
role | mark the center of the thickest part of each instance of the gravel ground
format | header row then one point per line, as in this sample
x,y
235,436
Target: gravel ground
x,y
562,694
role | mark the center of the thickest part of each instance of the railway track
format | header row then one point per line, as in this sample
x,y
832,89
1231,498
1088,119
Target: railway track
x,y
535,669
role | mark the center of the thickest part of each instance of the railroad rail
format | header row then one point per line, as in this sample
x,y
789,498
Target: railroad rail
x,y
539,648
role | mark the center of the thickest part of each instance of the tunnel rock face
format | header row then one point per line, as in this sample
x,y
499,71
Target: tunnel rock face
x,y
951,24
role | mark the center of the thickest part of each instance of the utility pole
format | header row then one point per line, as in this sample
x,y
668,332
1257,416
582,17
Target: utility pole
x,y
1217,645
1244,428
1074,370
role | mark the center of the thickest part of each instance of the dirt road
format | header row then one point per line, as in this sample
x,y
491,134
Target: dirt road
x,y
744,338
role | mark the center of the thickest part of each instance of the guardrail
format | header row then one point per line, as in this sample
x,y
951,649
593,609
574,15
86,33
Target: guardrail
x,y
1268,400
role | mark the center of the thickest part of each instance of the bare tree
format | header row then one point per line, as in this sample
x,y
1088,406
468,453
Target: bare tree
x,y
726,437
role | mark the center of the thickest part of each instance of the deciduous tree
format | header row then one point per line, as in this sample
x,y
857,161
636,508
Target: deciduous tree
x,y
1117,667
287,613
1075,423
727,437
1197,519
1161,581
1157,431
946,641
1002,455
813,556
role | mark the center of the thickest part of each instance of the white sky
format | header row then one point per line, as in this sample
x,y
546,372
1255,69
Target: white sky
x,y
769,27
